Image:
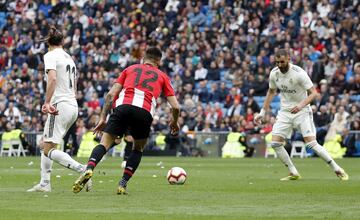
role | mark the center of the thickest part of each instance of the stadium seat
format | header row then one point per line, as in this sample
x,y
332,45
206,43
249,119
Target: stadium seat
x,y
269,151
298,149
2,19
222,74
276,98
259,98
12,148
6,148
209,19
357,147
355,98
275,105
274,111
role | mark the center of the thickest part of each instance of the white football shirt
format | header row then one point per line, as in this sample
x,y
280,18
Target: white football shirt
x,y
64,65
293,85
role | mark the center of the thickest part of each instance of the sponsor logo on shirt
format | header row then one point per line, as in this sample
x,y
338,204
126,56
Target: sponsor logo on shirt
x,y
285,89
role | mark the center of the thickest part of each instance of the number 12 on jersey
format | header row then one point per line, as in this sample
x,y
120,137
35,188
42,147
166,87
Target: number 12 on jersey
x,y
145,83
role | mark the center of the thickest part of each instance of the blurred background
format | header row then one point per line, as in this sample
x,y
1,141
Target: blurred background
x,y
218,54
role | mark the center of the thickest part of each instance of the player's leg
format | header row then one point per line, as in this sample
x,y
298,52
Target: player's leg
x,y
45,173
132,164
100,150
58,126
129,141
62,158
278,144
115,127
307,128
139,130
96,155
311,143
281,130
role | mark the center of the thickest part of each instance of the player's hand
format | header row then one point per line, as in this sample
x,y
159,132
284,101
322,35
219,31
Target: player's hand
x,y
174,128
99,127
296,109
48,108
260,117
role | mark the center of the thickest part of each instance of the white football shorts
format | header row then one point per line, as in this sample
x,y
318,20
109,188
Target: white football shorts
x,y
301,121
56,126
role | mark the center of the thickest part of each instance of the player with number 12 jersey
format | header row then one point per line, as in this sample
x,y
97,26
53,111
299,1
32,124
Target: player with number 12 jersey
x,y
137,89
142,85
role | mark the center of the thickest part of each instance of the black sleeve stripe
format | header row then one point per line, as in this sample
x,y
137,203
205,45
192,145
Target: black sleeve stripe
x,y
51,124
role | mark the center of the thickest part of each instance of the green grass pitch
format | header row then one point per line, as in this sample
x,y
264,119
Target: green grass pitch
x,y
215,189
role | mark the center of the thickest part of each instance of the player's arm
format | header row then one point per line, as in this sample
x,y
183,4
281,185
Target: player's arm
x,y
312,93
175,107
307,84
51,84
175,114
269,97
114,91
109,99
50,89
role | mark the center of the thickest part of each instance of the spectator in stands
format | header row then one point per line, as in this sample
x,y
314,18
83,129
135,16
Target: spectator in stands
x,y
232,96
12,112
203,92
221,36
234,109
338,125
321,120
250,103
350,139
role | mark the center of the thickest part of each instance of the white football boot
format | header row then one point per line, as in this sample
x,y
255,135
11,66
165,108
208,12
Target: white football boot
x,y
40,188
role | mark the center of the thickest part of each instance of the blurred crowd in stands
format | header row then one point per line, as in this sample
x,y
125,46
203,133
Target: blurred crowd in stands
x,y
218,54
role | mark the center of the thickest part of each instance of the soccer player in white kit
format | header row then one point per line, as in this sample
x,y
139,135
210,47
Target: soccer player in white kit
x,y
297,91
60,106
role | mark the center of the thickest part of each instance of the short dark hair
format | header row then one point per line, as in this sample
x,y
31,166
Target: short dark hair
x,y
153,53
55,37
281,52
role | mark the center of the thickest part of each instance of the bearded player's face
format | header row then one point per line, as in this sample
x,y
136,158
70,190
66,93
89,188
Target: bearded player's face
x,y
283,63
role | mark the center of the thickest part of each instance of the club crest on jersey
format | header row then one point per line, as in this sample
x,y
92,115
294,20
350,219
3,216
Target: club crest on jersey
x,y
291,81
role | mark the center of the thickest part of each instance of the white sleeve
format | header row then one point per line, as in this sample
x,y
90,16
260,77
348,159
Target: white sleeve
x,y
305,80
272,84
49,62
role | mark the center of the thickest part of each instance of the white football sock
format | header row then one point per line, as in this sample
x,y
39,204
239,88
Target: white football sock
x,y
322,152
65,160
284,157
45,169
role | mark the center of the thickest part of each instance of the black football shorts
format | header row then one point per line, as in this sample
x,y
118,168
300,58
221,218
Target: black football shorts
x,y
129,119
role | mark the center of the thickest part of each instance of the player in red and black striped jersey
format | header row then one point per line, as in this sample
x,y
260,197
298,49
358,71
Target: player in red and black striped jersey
x,y
138,87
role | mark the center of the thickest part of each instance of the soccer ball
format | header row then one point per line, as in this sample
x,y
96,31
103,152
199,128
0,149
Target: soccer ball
x,y
176,175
